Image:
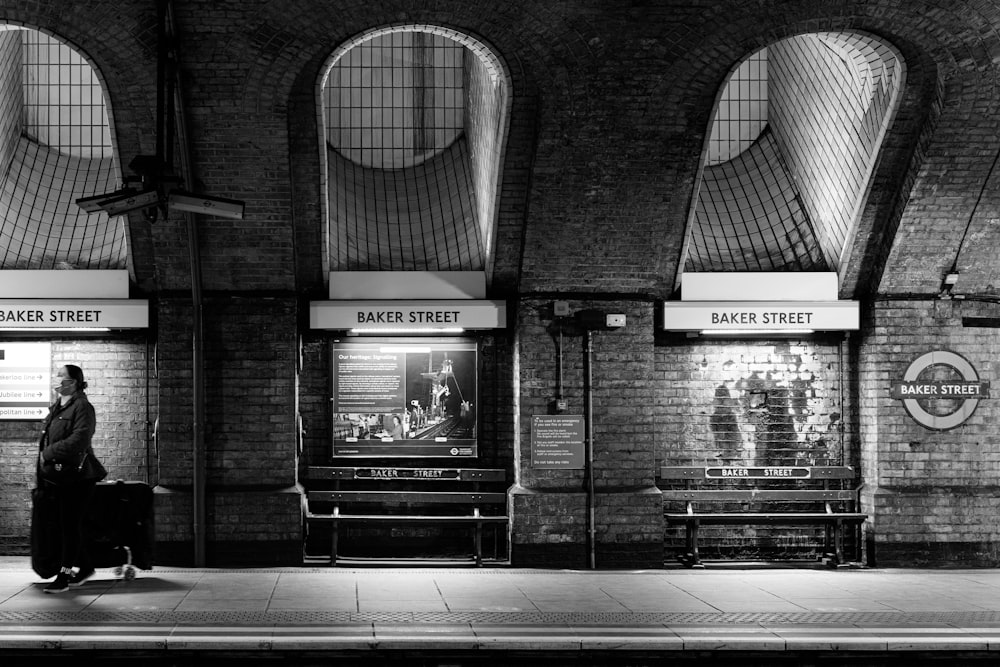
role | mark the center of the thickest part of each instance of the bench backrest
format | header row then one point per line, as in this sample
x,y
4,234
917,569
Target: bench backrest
x,y
759,484
391,485
434,497
392,473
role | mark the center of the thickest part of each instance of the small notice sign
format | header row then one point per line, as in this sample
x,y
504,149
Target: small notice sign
x,y
557,441
25,380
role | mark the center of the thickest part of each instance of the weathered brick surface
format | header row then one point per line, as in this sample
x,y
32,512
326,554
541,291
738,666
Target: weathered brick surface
x,y
550,510
927,487
122,388
705,411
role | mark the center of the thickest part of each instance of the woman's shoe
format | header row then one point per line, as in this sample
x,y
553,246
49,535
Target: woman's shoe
x,y
59,585
81,576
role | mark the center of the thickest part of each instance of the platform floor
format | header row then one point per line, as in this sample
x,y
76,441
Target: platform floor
x,y
455,616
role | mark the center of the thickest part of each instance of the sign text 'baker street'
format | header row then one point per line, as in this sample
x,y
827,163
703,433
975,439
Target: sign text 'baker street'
x,y
769,315
402,315
73,313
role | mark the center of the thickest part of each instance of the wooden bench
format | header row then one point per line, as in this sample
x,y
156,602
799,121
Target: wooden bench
x,y
373,495
766,495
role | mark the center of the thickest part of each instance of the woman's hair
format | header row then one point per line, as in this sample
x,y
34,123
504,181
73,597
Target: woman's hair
x,y
76,373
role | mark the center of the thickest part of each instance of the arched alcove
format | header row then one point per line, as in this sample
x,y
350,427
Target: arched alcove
x,y
55,147
414,120
794,139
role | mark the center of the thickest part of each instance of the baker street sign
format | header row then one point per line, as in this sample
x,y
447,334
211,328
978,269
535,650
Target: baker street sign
x,y
940,390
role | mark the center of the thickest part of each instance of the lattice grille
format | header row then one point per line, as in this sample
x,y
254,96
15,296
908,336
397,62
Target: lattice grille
x,y
56,147
396,99
401,128
742,112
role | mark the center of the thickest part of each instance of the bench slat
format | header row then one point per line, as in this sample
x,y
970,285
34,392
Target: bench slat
x,y
750,495
467,497
409,518
815,472
742,518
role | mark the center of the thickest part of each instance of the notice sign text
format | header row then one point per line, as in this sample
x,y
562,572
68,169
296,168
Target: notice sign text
x,y
25,380
557,441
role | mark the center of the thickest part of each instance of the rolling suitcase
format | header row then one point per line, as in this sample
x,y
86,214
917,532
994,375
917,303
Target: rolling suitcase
x,y
120,527
45,537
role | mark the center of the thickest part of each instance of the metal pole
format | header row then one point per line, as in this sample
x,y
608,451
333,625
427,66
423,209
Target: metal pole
x,y
588,389
198,451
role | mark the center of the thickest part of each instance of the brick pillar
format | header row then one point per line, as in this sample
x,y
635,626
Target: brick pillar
x,y
253,504
930,494
549,506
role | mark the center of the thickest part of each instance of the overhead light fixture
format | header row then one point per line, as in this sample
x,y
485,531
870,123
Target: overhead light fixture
x,y
755,332
42,330
416,330
402,349
224,208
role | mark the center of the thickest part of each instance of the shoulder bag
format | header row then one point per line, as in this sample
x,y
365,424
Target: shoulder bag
x,y
89,469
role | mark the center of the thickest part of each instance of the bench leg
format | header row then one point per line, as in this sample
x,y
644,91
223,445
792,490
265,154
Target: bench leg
x,y
838,542
479,544
333,543
691,557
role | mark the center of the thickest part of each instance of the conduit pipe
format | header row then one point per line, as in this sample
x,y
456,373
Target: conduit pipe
x,y
175,121
588,390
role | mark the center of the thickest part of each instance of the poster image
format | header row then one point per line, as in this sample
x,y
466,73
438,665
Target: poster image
x,y
401,399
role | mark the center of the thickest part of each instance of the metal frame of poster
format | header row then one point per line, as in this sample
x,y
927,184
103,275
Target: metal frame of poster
x,y
404,398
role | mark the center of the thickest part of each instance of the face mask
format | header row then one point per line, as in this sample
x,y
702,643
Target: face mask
x,y
65,387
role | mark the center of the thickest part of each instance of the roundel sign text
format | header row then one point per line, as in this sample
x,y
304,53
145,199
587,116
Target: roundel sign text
x,y
940,390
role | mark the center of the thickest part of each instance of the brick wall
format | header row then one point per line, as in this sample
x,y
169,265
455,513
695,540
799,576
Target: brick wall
x,y
122,388
549,506
250,430
932,494
780,402
732,402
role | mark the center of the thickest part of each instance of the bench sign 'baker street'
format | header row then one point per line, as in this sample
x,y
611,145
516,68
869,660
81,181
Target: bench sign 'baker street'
x,y
940,390
755,472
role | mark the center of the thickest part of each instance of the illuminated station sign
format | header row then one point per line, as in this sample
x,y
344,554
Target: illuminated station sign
x,y
41,314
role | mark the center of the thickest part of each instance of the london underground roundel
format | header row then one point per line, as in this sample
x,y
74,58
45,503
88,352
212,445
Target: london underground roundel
x,y
940,390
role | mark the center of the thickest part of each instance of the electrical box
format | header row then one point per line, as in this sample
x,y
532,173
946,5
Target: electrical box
x,y
597,320
560,308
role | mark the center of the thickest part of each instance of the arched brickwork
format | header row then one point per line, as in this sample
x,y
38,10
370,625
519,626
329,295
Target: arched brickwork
x,y
278,47
511,35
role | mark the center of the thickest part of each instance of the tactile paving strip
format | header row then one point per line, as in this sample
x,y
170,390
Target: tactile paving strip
x,y
296,618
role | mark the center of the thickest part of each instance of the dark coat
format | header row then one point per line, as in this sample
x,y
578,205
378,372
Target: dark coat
x,y
70,430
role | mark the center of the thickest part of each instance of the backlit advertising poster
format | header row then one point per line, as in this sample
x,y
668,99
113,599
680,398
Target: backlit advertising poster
x,y
403,399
